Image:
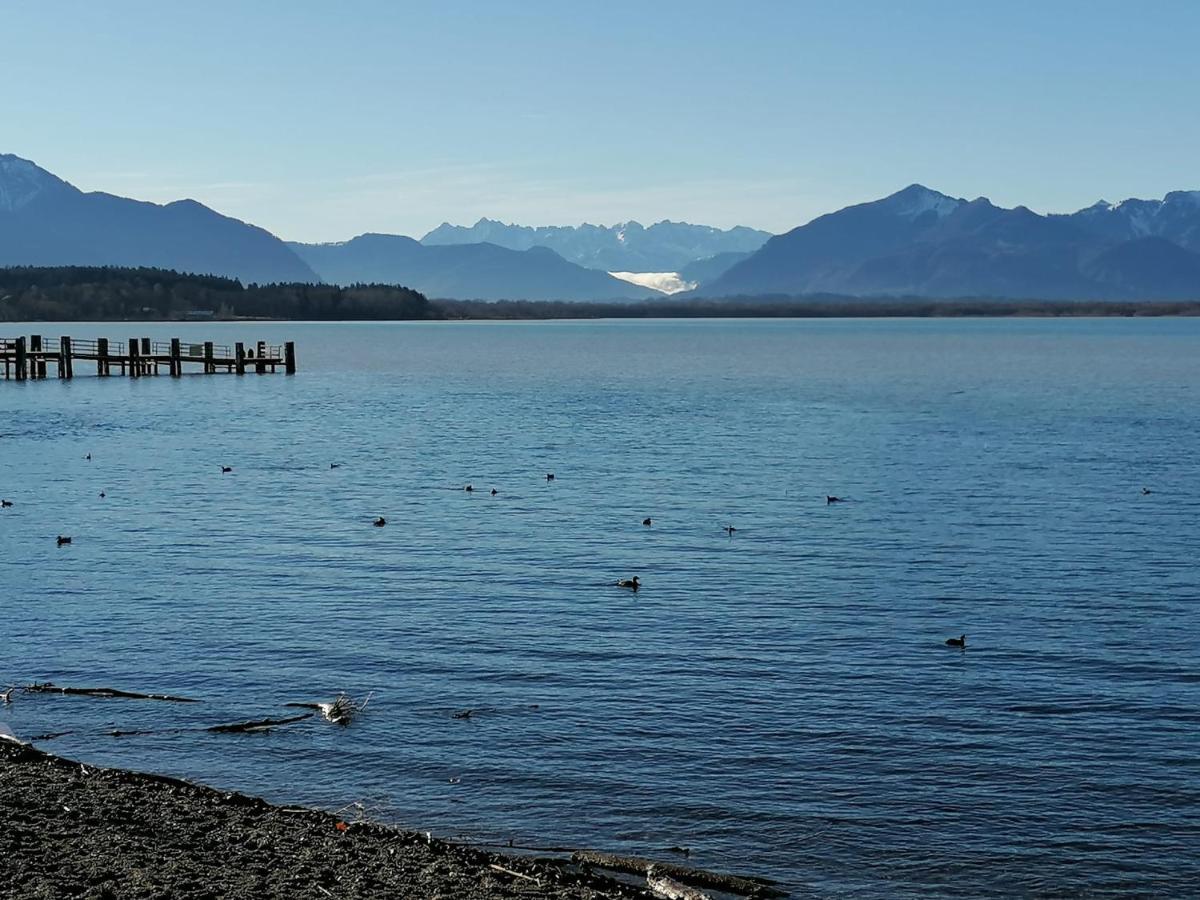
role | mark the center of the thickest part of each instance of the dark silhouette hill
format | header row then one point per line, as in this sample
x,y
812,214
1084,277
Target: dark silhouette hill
x,y
919,242
45,221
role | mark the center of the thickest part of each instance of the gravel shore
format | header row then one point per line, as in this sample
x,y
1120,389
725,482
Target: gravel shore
x,y
73,830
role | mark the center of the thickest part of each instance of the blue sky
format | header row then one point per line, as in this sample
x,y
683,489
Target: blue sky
x,y
320,121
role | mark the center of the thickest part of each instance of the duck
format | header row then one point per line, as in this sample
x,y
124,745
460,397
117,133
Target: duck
x,y
829,498
5,504
225,470
63,540
468,488
1146,491
380,522
335,465
464,714
957,642
103,495
494,492
88,457
549,476
647,521
631,583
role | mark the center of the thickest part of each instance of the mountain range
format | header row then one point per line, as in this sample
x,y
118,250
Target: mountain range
x,y
919,242
628,247
466,271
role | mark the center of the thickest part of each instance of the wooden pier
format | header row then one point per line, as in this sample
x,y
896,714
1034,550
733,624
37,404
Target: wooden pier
x,y
30,358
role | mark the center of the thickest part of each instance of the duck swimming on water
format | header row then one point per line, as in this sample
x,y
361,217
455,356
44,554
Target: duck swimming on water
x,y
829,498
647,522
468,488
494,492
957,642
631,583
1146,491
5,504
63,540
225,470
380,522
549,476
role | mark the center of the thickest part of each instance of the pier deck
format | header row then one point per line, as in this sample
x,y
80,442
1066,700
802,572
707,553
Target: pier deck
x,y
30,358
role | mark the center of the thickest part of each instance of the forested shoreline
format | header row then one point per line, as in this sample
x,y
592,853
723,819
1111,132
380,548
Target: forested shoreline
x,y
85,293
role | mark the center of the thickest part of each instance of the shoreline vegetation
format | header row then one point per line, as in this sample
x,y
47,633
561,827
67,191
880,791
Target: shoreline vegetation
x,y
114,294
72,829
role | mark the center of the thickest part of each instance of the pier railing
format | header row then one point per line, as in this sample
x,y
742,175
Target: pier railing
x,y
27,358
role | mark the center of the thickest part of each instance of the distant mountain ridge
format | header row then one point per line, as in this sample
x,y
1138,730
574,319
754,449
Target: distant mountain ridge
x,y
45,221
1176,218
627,247
917,242
467,271
920,242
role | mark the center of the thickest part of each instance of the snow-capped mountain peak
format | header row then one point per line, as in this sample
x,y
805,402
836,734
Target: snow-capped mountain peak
x,y
21,181
916,200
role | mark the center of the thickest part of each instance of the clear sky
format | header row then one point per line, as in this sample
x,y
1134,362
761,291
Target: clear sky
x,y
322,120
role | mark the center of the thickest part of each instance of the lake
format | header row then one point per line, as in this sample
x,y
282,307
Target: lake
x,y
779,700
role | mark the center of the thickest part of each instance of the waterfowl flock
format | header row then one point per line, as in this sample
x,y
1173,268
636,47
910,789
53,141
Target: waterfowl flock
x,y
633,584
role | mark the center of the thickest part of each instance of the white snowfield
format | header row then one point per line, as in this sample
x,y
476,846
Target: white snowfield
x,y
666,282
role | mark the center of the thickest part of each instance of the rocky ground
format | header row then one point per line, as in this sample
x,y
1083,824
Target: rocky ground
x,y
72,830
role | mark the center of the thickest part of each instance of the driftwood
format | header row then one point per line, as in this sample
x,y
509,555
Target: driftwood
x,y
636,865
342,711
670,889
499,868
48,688
257,725
49,736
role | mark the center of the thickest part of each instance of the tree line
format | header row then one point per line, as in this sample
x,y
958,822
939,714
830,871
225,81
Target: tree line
x,y
110,293
104,293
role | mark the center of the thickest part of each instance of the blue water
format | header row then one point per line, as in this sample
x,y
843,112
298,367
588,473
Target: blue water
x,y
779,701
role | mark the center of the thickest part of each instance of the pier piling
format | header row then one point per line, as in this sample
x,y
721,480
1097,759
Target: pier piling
x,y
37,364
66,368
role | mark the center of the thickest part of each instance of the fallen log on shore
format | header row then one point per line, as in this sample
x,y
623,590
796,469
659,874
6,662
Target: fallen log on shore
x,y
670,889
48,688
635,865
